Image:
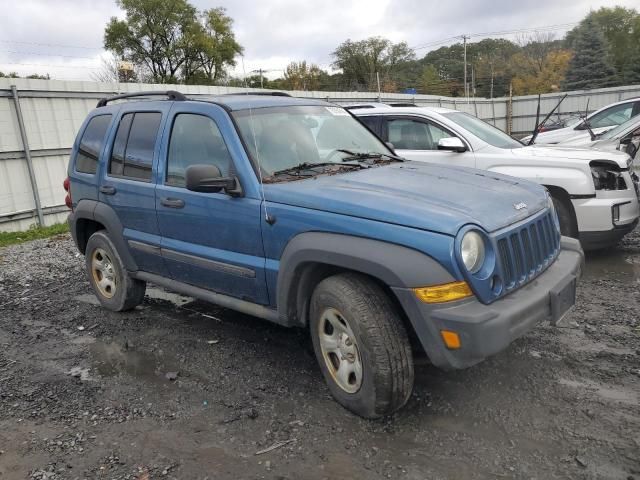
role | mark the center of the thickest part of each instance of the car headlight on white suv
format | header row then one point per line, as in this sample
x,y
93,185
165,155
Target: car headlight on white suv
x,y
472,251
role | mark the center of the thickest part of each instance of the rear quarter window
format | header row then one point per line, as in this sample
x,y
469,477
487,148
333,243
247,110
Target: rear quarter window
x,y
91,144
133,148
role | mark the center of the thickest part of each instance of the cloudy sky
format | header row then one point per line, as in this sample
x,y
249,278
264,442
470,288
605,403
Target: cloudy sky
x,y
64,37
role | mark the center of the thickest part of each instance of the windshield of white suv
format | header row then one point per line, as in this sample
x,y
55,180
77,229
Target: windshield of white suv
x,y
302,141
483,130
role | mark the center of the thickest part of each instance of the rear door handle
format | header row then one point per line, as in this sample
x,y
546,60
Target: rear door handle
x,y
172,202
108,189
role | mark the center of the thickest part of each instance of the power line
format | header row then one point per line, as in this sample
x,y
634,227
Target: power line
x,y
50,45
543,28
46,54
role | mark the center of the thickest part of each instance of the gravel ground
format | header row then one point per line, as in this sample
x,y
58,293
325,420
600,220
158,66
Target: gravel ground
x,y
185,390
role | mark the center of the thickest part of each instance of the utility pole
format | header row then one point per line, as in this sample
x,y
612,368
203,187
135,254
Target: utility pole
x,y
466,85
378,80
491,96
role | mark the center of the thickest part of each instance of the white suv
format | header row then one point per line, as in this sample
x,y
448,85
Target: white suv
x,y
599,121
595,192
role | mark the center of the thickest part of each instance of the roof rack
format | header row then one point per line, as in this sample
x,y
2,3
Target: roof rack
x,y
266,94
402,104
170,94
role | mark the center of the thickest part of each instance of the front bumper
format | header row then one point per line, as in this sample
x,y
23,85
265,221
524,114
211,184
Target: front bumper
x,y
604,219
488,329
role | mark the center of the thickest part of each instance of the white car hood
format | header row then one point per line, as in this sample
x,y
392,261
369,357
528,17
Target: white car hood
x,y
571,154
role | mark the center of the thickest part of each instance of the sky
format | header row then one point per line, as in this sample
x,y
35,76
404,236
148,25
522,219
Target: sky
x,y
64,37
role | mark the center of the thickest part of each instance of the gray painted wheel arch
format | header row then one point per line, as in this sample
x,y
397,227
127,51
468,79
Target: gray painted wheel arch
x,y
391,264
104,214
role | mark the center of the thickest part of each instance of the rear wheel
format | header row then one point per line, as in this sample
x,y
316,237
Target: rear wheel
x,y
361,345
568,224
111,283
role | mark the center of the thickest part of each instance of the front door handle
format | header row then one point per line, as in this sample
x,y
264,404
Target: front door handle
x,y
108,189
172,202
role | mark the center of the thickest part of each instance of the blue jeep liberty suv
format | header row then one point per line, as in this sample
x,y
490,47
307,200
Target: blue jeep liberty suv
x,y
291,210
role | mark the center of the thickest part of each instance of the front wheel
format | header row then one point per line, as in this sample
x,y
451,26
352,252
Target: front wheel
x,y
361,345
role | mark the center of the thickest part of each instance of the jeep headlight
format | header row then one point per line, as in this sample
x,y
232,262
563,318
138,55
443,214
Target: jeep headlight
x,y
472,251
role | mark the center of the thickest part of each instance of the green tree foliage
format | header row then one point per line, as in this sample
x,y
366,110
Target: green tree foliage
x,y
32,76
360,61
590,66
432,83
621,29
172,42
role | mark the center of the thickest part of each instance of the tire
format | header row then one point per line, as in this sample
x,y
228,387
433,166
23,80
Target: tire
x,y
568,224
369,330
111,283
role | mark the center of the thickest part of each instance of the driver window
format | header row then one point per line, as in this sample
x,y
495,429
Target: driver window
x,y
406,134
195,140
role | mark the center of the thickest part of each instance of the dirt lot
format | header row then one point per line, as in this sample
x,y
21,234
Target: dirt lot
x,y
182,389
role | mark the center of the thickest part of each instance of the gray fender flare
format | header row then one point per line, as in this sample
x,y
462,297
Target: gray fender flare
x,y
392,264
104,214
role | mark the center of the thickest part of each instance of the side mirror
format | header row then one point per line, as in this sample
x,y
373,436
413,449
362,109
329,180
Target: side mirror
x,y
208,179
453,144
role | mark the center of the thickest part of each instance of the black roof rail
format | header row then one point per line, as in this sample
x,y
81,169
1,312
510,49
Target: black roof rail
x,y
170,94
401,104
357,107
266,94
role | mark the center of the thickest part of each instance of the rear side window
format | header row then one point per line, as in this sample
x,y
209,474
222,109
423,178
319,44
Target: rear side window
x,y
91,144
132,154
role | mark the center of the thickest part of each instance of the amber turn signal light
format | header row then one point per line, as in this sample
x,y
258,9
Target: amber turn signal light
x,y
443,293
451,339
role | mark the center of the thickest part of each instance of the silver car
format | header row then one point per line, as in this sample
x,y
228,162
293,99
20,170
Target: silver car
x,y
624,137
600,121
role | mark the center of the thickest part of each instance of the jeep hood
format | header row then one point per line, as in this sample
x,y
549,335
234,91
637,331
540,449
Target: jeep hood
x,y
573,154
419,195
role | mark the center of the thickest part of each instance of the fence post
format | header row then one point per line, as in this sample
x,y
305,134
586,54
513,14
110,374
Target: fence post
x,y
510,110
27,154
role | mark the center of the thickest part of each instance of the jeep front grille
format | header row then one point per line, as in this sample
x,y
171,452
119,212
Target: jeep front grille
x,y
525,252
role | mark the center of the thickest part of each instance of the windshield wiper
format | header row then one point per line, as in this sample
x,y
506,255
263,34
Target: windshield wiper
x,y
297,169
366,155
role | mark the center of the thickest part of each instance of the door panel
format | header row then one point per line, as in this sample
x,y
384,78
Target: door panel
x,y
210,240
128,185
417,139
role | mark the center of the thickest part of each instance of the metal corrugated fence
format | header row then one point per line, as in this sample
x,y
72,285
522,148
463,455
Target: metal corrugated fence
x,y
53,110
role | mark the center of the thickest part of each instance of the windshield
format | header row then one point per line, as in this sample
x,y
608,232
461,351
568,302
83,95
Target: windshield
x,y
620,129
281,138
483,130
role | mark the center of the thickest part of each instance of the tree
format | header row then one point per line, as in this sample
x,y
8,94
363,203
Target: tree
x,y
32,76
621,29
300,76
217,46
361,61
432,83
156,34
590,66
545,77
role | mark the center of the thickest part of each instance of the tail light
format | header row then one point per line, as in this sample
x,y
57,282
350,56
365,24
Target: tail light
x,y
67,187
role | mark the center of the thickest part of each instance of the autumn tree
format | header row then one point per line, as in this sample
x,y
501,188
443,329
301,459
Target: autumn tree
x,y
546,76
302,76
